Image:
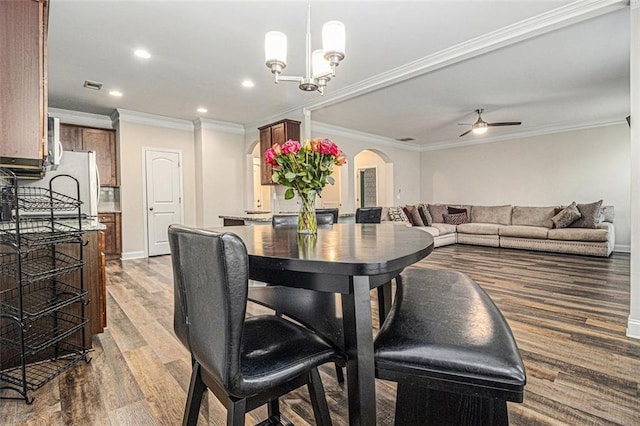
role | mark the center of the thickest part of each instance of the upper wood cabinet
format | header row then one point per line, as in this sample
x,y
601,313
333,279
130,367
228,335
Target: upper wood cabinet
x,y
23,85
102,141
278,132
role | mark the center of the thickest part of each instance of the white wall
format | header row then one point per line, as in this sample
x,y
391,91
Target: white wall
x,y
133,138
584,165
223,174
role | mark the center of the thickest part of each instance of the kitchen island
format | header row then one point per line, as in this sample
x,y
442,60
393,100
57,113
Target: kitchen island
x,y
264,218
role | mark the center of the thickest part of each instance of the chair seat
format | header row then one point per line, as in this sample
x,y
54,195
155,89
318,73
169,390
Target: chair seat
x,y
446,332
275,351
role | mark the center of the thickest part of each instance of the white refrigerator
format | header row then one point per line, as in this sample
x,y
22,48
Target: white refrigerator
x,y
82,166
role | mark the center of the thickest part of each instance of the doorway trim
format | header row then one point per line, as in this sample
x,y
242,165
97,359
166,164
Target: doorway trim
x,y
145,225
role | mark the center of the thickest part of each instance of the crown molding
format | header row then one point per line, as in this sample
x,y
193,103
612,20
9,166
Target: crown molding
x,y
539,131
82,118
319,127
128,116
560,17
223,126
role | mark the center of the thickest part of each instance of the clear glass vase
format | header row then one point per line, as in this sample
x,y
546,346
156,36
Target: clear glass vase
x,y
307,212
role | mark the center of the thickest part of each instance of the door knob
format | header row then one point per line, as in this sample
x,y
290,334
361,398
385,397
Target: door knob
x,y
151,209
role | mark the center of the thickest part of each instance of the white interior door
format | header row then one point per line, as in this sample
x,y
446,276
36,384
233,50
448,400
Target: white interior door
x,y
164,197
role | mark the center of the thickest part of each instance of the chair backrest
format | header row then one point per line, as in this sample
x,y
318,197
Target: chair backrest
x,y
282,220
368,214
333,211
210,276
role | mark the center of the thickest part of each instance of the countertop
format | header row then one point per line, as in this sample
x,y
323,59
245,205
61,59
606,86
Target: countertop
x,y
266,217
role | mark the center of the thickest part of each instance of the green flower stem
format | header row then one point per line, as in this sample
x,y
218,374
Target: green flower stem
x,y
307,216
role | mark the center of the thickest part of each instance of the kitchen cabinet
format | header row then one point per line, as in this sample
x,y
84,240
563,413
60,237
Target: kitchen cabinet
x,y
112,235
102,141
23,104
278,132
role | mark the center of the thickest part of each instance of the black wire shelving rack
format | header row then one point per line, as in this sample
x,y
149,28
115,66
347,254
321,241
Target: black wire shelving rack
x,y
42,293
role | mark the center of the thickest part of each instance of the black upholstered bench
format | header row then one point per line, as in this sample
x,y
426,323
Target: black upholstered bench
x,y
451,352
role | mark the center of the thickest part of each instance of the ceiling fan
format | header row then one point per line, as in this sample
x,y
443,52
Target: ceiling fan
x,y
480,126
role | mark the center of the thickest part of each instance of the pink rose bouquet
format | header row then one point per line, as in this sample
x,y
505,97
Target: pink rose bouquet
x,y
304,167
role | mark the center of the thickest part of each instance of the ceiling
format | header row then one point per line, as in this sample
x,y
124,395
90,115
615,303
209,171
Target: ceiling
x,y
413,69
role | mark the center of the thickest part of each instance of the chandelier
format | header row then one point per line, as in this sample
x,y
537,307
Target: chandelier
x,y
320,64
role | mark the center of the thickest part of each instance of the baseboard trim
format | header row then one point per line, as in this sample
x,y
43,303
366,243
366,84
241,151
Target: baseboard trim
x,y
133,255
633,328
622,248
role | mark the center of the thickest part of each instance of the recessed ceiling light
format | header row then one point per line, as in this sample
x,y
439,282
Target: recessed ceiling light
x,y
141,53
248,83
115,93
202,110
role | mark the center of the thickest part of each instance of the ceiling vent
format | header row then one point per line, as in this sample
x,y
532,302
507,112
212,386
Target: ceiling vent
x,y
90,84
405,139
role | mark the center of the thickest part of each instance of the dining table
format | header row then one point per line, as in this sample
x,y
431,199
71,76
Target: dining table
x,y
346,258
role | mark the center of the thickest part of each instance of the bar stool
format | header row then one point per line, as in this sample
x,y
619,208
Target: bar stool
x,y
246,363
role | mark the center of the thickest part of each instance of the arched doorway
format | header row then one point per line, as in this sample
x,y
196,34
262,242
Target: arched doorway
x,y
373,179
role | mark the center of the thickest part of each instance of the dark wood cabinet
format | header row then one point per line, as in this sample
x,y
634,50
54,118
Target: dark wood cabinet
x,y
23,103
112,235
102,141
278,132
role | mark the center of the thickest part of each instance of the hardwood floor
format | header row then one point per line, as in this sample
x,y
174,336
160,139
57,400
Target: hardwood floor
x,y
568,314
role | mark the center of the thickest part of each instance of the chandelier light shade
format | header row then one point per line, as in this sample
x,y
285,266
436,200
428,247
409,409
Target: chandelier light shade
x,y
320,65
333,43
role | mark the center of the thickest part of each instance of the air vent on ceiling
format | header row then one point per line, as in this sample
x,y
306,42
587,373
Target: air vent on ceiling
x,y
405,139
90,84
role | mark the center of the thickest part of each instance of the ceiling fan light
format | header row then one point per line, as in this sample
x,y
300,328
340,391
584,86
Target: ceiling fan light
x,y
479,128
275,50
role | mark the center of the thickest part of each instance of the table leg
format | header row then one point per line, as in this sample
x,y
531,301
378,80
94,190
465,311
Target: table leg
x,y
358,339
384,301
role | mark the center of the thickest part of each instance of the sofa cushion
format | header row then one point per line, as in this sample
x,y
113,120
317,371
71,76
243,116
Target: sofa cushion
x,y
479,228
437,212
456,218
579,234
425,215
491,214
566,216
523,231
430,229
532,216
444,228
590,214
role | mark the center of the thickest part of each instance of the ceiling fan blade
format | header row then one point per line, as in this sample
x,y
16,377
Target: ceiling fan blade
x,y
506,123
465,124
468,131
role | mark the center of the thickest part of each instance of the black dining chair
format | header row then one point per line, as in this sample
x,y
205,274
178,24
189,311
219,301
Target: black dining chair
x,y
295,303
280,220
248,362
334,212
368,214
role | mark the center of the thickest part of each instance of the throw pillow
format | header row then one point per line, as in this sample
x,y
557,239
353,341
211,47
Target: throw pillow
x,y
408,215
454,210
456,218
437,212
566,217
589,215
414,216
396,214
425,215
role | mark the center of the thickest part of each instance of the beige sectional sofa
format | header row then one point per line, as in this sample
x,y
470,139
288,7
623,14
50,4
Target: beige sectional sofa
x,y
518,227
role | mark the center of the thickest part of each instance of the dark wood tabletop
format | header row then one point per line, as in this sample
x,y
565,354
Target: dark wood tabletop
x,y
345,258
